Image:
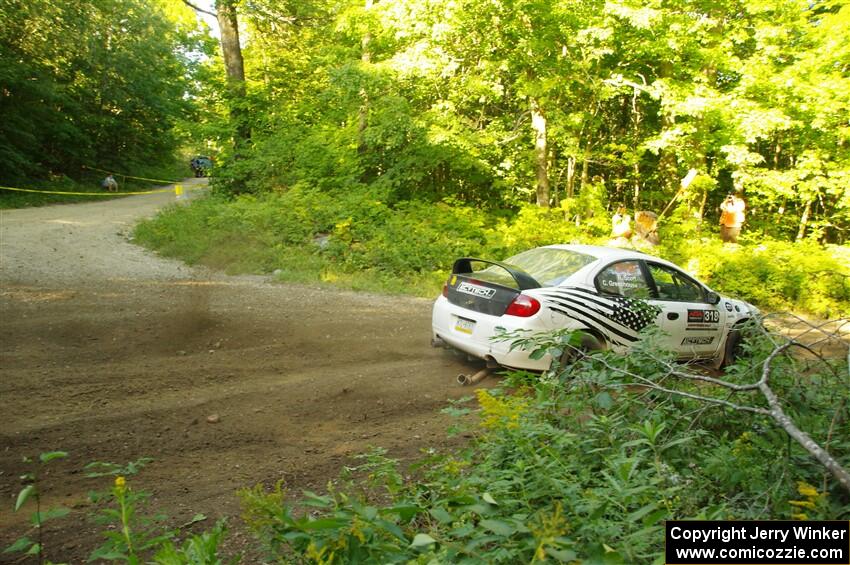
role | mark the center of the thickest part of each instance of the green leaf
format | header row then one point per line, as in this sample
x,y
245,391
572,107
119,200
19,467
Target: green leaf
x,y
406,512
654,517
479,508
34,550
24,495
480,540
422,540
195,519
106,553
42,517
441,515
20,545
498,527
489,498
563,555
638,514
321,524
391,528
538,354
604,400
51,455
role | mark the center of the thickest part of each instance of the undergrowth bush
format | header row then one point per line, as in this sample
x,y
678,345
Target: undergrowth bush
x,y
775,274
357,239
579,465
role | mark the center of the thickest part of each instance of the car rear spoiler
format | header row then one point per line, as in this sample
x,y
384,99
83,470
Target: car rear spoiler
x,y
463,266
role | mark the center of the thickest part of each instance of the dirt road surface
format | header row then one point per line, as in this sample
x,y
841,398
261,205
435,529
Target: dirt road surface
x,y
111,354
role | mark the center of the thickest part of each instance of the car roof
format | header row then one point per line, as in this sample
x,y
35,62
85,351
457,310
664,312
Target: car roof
x,y
601,252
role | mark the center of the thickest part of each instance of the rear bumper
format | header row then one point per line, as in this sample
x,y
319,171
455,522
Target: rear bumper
x,y
478,342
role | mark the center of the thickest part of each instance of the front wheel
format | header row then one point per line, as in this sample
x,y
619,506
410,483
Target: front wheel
x,y
742,333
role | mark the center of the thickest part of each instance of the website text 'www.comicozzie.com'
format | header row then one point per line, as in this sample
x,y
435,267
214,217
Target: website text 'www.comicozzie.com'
x,y
688,554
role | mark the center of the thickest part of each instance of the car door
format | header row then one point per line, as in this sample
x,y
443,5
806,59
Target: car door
x,y
694,326
621,310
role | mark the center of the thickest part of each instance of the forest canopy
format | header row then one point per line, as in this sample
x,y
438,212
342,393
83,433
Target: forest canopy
x,y
576,106
98,83
569,105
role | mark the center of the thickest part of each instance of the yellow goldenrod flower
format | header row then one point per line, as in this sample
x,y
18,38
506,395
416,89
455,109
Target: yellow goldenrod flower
x,y
498,412
807,490
802,504
120,482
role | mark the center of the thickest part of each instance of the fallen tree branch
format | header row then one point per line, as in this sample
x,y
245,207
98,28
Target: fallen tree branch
x,y
774,410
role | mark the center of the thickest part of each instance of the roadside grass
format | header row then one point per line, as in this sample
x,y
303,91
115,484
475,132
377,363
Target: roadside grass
x,y
88,181
355,241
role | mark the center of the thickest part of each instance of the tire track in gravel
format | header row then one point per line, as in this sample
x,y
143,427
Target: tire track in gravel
x,y
112,353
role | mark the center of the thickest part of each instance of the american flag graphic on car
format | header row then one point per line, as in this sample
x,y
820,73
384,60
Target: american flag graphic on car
x,y
618,317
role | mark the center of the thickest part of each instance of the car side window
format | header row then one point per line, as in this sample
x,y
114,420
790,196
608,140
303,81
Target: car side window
x,y
673,285
624,278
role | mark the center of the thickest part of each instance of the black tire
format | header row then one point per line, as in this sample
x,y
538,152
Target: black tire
x,y
587,344
738,335
733,347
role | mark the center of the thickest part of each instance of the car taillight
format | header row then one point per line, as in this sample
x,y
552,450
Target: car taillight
x,y
446,289
523,306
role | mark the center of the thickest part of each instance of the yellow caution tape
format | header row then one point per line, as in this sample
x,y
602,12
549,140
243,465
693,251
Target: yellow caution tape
x,y
129,176
87,193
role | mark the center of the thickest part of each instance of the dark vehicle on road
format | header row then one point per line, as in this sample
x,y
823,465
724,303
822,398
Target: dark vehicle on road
x,y
201,166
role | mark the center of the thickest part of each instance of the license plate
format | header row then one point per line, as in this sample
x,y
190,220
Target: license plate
x,y
464,326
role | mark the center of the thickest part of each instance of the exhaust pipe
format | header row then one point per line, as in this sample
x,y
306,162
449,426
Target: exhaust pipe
x,y
466,380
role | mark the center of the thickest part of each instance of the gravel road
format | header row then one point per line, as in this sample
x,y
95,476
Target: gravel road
x,y
112,353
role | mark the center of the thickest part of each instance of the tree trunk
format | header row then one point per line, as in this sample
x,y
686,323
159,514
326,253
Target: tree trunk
x,y
585,165
556,195
234,65
701,213
541,153
636,195
571,176
804,220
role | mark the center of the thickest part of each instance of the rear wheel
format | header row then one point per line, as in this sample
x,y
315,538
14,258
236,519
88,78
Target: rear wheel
x,y
587,343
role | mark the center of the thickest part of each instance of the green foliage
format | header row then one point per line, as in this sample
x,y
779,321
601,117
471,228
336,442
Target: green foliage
x,y
582,464
776,274
433,100
88,83
88,181
31,490
202,549
357,240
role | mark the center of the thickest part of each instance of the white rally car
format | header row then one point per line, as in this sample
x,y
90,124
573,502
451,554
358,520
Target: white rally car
x,y
609,294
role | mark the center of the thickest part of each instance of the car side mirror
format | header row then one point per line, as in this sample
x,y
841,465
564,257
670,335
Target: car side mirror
x,y
712,297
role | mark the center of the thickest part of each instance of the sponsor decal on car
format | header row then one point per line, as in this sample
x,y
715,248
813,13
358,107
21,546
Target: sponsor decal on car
x,y
618,318
703,316
475,290
698,340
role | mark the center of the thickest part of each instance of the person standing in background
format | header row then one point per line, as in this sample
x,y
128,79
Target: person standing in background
x,y
732,216
621,225
109,183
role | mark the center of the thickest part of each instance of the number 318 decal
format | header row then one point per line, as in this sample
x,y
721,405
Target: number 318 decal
x,y
703,316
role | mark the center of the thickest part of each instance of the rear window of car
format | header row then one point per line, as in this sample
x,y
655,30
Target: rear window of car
x,y
550,266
